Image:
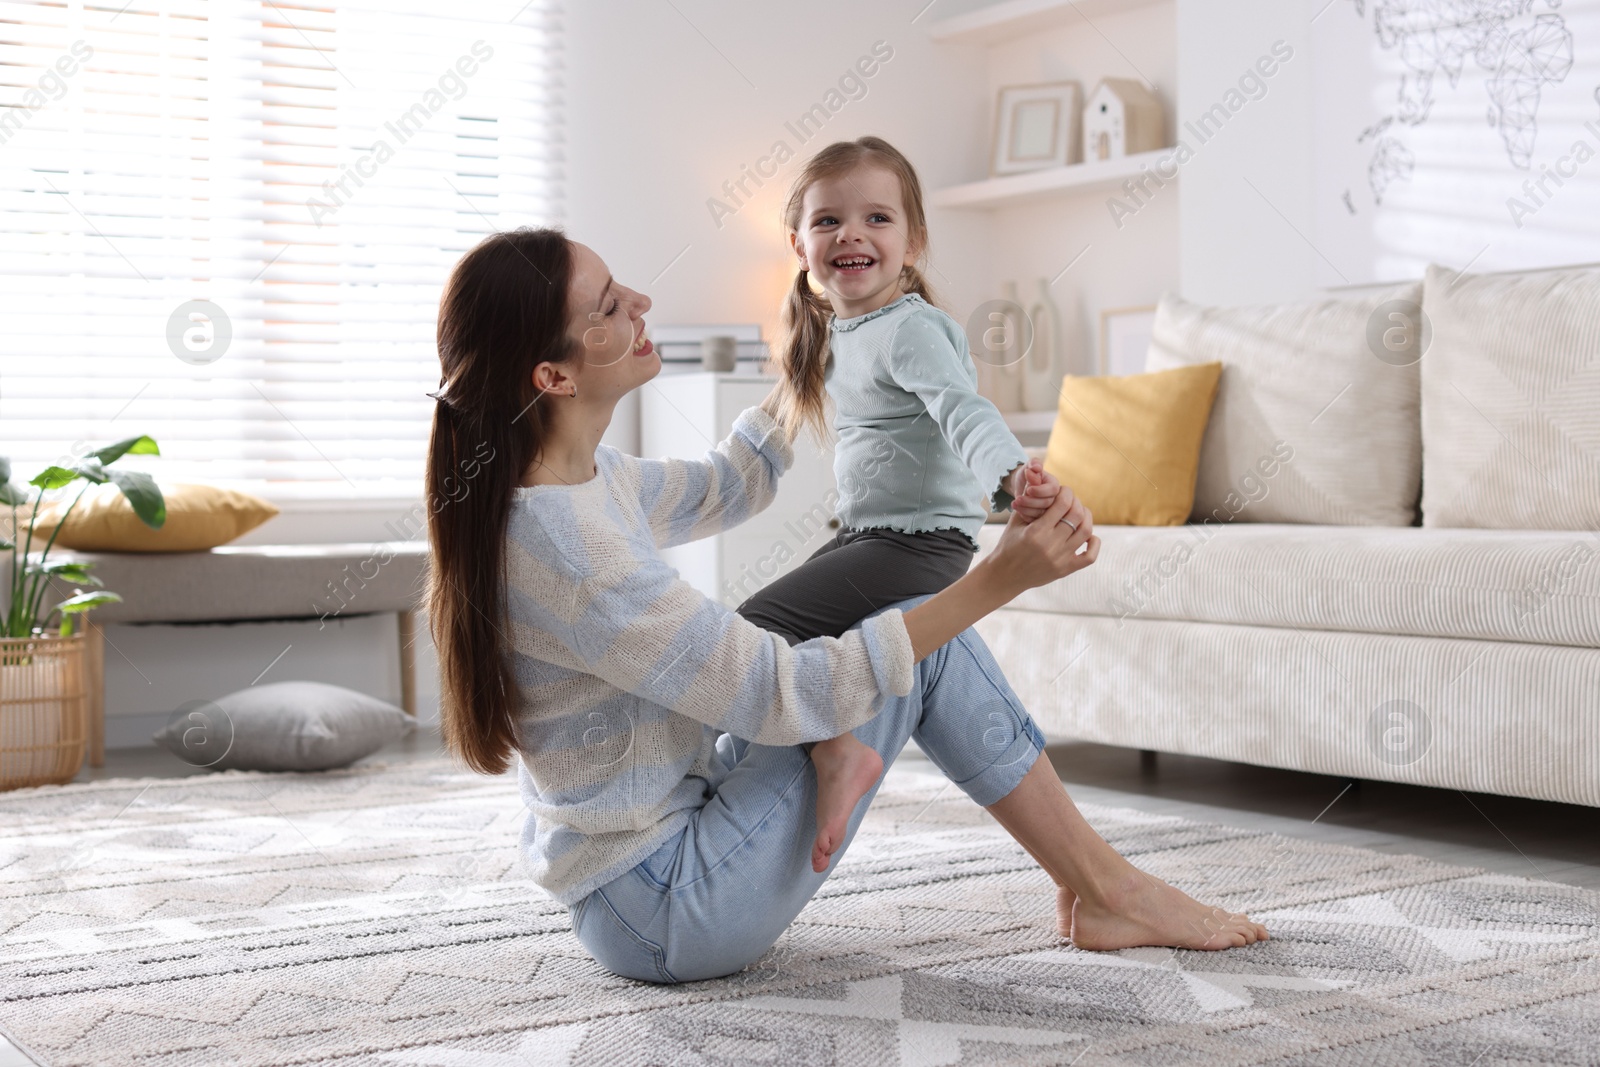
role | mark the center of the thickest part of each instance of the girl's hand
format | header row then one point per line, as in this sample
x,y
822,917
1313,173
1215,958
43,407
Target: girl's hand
x,y
1039,493
1015,481
1034,553
1037,553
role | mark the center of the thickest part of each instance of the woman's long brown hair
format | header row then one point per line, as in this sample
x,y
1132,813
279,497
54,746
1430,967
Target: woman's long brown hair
x,y
803,347
503,312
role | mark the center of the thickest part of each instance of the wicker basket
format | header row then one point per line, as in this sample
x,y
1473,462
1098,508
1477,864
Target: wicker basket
x,y
43,709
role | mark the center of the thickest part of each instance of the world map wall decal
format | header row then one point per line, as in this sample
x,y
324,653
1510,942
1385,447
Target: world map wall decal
x,y
1461,132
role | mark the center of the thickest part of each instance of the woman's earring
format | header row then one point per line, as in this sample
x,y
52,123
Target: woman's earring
x,y
574,392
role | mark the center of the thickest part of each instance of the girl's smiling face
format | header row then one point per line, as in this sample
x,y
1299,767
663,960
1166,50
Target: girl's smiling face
x,y
854,240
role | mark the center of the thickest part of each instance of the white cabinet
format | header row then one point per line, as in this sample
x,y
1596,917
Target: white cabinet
x,y
686,415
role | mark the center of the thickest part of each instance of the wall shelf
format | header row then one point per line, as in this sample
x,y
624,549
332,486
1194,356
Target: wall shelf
x,y
1016,18
1093,177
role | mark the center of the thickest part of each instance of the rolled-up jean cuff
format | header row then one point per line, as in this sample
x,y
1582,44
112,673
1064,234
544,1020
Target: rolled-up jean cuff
x,y
1009,768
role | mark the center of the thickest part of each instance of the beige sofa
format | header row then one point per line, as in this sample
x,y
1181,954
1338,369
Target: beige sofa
x,y
1305,618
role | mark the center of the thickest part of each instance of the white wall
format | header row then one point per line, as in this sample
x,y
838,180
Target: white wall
x,y
1238,244
1126,265
664,107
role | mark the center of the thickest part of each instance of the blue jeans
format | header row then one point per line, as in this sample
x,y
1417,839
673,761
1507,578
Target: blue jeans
x,y
715,897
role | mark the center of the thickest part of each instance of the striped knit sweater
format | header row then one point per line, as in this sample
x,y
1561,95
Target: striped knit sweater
x,y
628,675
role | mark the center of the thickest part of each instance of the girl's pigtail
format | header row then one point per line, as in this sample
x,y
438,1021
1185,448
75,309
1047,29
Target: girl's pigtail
x,y
912,281
803,359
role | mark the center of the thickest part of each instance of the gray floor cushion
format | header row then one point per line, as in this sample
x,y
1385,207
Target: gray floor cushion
x,y
285,726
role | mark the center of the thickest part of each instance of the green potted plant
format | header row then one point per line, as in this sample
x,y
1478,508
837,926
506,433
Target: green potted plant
x,y
43,674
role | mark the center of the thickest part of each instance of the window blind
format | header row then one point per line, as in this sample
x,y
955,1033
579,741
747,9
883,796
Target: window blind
x,y
226,224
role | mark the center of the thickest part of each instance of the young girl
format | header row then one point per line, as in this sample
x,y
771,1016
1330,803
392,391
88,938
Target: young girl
x,y
918,450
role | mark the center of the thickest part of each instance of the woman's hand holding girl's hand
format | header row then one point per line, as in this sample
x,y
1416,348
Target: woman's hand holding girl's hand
x,y
1037,552
1039,488
1029,554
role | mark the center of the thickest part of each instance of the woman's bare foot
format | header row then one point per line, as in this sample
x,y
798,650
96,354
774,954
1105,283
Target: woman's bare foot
x,y
1144,910
846,769
1066,900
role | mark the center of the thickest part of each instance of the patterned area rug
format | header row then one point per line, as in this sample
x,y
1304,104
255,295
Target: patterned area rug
x,y
381,916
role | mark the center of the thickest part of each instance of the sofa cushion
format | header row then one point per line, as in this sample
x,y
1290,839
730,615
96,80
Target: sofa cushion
x,y
1129,445
1511,585
198,517
1511,400
1331,384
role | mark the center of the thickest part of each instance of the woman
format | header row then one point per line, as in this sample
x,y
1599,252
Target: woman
x,y
659,735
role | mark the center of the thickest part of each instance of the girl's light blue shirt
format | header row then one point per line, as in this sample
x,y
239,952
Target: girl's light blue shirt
x,y
918,449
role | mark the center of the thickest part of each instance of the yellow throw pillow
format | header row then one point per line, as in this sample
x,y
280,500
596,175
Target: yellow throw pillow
x,y
198,517
1129,447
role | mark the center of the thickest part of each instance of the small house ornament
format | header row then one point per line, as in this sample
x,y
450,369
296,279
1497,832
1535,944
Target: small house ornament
x,y
1122,117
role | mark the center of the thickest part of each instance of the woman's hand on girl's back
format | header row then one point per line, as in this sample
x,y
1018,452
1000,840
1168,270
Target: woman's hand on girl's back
x,y
1050,547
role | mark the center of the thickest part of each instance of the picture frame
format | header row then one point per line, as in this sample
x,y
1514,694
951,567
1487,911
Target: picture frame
x,y
1125,339
1037,127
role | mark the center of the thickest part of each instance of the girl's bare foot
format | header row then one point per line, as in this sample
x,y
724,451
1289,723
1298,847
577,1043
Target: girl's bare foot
x,y
846,769
1144,910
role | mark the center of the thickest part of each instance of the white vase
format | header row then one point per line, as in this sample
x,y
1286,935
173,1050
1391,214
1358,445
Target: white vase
x,y
1042,369
1006,378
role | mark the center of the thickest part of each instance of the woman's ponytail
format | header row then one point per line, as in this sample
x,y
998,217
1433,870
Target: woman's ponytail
x,y
502,313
